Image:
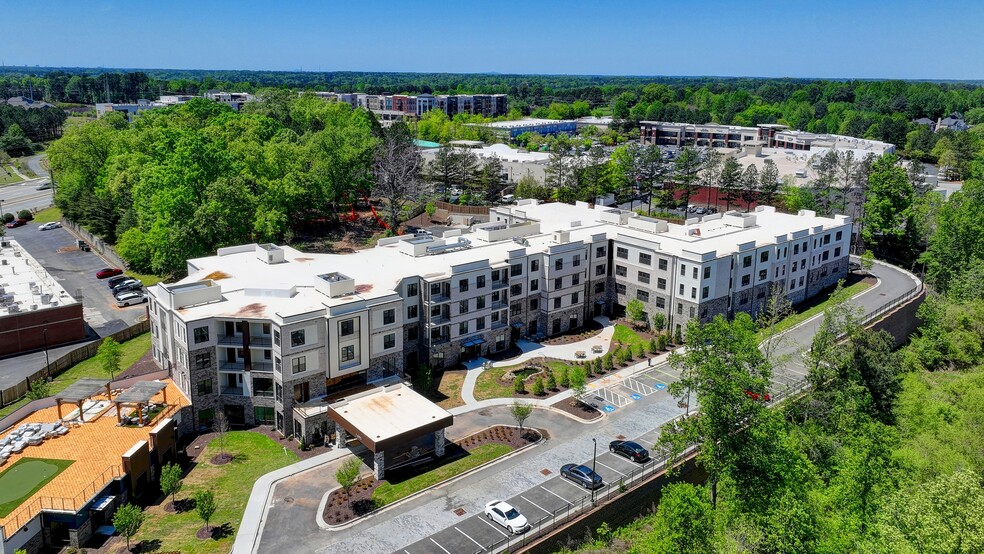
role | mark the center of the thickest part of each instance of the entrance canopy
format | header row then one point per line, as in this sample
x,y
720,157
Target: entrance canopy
x,y
473,342
389,416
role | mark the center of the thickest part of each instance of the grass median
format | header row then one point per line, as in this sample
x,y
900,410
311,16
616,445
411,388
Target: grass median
x,y
387,492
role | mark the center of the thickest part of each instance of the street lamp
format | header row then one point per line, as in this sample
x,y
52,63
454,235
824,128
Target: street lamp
x,y
47,363
594,459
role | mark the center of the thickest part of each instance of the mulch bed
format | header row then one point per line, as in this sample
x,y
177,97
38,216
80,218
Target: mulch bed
x,y
581,410
341,507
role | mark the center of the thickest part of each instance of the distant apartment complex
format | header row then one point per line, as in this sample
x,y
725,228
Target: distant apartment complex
x,y
486,105
234,100
265,333
767,135
512,129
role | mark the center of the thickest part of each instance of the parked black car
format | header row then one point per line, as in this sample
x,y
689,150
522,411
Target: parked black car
x,y
113,281
631,450
582,475
131,284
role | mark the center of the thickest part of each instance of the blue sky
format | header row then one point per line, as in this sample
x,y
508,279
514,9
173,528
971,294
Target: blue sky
x,y
909,39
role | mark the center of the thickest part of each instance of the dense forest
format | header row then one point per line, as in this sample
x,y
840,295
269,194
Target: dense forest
x,y
881,110
883,454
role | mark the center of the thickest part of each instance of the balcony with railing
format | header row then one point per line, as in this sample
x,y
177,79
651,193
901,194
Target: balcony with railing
x,y
255,341
232,391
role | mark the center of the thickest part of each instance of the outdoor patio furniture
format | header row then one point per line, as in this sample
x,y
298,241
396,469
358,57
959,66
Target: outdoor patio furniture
x,y
7,451
580,354
61,430
19,446
35,440
597,349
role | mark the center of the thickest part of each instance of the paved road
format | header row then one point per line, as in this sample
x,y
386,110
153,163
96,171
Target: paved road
x,y
24,196
428,523
56,251
36,163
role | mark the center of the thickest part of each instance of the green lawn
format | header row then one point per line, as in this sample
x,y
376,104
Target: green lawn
x,y
799,317
132,350
25,478
53,213
148,279
626,335
21,164
7,176
255,455
489,384
387,493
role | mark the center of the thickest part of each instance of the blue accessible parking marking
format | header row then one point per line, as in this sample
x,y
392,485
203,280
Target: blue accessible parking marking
x,y
636,397
660,386
608,408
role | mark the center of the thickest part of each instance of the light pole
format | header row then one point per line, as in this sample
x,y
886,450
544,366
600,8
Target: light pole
x,y
594,459
47,363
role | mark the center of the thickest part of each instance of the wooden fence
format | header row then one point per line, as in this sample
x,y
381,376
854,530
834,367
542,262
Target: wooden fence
x,y
57,367
456,209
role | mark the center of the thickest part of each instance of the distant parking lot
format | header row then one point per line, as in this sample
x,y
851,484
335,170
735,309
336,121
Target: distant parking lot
x,y
57,251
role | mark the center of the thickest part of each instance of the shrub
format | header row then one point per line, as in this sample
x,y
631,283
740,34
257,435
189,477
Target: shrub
x,y
653,346
538,386
8,217
25,214
677,336
609,365
638,351
623,356
659,321
562,377
661,341
518,385
551,381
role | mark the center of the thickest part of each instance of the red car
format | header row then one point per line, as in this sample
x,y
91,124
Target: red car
x,y
756,396
108,272
17,223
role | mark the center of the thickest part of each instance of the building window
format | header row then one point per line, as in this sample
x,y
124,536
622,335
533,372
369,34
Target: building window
x,y
600,252
297,338
683,270
577,260
600,270
435,289
661,283
705,292
557,302
575,298
480,282
620,270
412,312
619,288
559,283
298,364
534,265
794,267
463,307
463,328
204,387
622,253
825,255
263,416
412,333
643,277
480,303
682,289
348,327
480,324
707,273
660,302
496,316
837,251
348,352
693,311
645,259
412,289
276,364
203,360
642,295
764,256
599,287
389,341
515,309
745,280
746,261
826,239
801,281
389,317
515,270
679,309
796,249
559,264
662,264
516,290
463,285
576,279
695,273
201,334
534,303
206,417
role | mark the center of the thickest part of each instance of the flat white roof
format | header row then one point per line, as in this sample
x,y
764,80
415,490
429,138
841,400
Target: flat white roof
x,y
26,284
389,414
525,123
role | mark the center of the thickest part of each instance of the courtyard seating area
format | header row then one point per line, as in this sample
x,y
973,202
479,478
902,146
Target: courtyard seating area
x,y
29,434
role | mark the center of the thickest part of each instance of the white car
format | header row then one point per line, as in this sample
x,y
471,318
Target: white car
x,y
130,298
49,225
505,515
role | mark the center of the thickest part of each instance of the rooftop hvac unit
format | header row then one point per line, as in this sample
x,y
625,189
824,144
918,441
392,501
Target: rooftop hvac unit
x,y
17,254
5,244
13,309
3,261
54,302
45,298
34,307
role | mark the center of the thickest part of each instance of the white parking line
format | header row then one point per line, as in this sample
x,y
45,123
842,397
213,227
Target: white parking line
x,y
480,545
535,504
612,468
490,524
439,545
566,501
573,484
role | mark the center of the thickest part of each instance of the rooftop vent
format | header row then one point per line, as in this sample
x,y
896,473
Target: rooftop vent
x,y
270,253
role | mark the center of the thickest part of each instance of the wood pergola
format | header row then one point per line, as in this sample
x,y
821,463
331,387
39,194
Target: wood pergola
x,y
80,391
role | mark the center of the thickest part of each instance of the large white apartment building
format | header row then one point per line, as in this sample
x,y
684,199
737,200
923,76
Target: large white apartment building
x,y
264,332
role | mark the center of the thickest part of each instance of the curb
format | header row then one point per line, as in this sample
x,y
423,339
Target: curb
x,y
322,524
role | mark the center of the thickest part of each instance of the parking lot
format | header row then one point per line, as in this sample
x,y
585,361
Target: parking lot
x,y
57,251
557,498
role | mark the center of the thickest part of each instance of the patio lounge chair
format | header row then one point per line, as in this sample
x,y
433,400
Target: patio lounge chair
x,y
19,446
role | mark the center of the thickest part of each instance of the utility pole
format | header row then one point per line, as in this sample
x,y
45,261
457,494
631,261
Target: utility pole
x,y
594,459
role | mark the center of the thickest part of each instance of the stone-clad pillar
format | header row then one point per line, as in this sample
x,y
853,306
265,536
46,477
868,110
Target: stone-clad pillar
x,y
439,443
341,436
378,465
